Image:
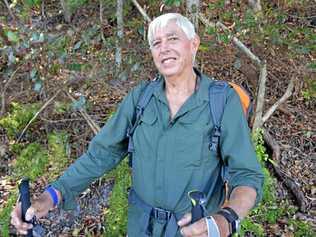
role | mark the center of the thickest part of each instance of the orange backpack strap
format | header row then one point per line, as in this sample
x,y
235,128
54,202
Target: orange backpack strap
x,y
244,96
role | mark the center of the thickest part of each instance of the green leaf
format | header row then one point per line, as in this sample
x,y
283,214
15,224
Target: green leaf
x,y
13,37
176,3
79,104
38,86
33,73
77,45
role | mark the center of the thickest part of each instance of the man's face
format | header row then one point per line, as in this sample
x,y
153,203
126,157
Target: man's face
x,y
172,51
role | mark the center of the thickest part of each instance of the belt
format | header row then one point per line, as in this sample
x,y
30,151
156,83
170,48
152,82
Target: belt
x,y
161,215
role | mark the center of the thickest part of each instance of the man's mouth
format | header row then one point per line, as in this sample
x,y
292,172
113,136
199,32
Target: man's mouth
x,y
168,60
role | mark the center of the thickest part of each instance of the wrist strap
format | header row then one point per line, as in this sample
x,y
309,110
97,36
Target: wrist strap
x,y
53,194
212,227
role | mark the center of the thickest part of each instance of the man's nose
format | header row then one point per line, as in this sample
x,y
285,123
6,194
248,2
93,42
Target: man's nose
x,y
165,47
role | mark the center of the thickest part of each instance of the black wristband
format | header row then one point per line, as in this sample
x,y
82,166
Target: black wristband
x,y
232,218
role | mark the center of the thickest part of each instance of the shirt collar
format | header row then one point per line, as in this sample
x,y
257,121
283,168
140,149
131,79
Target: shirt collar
x,y
203,83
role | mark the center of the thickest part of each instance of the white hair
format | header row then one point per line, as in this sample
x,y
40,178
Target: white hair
x,y
162,20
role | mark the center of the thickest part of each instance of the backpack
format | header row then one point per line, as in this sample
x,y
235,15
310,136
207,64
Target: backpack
x,y
217,97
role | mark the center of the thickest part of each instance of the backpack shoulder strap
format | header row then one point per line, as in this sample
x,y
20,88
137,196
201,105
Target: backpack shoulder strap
x,y
139,109
217,101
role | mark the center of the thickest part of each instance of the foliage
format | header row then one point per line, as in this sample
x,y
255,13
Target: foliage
x,y
310,92
5,214
31,162
173,2
18,118
270,210
116,215
58,152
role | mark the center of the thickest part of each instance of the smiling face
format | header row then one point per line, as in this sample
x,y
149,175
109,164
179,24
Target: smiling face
x,y
172,51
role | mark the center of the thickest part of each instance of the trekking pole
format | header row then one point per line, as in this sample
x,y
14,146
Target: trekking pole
x,y
198,201
25,201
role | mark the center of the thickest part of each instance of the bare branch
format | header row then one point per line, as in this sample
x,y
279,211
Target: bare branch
x,y
120,33
142,11
37,113
9,10
101,21
193,11
260,97
241,46
4,91
94,127
66,11
286,95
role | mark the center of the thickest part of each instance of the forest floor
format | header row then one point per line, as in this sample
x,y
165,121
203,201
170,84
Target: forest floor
x,y
83,67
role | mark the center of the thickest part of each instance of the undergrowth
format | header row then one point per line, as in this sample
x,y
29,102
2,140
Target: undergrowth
x,y
34,161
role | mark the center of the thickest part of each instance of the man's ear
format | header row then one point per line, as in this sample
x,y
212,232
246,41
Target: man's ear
x,y
195,43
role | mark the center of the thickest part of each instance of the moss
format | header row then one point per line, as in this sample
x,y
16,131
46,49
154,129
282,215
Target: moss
x,y
31,162
116,215
18,118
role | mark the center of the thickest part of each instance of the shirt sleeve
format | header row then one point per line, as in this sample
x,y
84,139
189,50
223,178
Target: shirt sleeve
x,y
237,148
105,151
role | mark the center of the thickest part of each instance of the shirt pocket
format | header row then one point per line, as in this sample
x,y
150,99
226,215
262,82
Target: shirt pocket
x,y
190,137
145,132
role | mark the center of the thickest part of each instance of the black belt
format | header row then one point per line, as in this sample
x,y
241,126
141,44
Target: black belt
x,y
157,213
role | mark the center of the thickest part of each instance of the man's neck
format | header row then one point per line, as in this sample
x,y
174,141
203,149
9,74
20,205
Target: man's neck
x,y
183,84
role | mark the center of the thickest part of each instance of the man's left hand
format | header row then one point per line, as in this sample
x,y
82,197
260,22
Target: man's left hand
x,y
197,229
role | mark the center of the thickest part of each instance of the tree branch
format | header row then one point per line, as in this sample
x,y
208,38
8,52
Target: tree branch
x,y
260,97
4,91
94,127
142,11
9,10
286,95
241,46
37,113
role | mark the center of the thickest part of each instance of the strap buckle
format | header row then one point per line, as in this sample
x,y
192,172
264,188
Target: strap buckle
x,y
214,141
161,214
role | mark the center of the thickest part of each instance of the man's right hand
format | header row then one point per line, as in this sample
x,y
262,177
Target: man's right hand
x,y
39,208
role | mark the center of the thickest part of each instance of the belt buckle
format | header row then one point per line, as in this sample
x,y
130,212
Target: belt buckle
x,y
161,214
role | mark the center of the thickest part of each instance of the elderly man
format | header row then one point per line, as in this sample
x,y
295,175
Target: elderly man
x,y
170,149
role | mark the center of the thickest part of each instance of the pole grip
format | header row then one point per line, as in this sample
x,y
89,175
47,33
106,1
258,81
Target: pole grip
x,y
197,213
25,200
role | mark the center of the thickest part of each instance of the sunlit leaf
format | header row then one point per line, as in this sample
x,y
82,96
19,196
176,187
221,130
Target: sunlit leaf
x,y
12,36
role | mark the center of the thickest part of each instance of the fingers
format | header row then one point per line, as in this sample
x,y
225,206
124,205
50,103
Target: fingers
x,y
185,220
198,228
30,213
16,220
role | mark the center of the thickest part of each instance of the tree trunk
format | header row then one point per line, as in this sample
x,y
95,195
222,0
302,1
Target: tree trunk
x,y
120,34
193,12
255,5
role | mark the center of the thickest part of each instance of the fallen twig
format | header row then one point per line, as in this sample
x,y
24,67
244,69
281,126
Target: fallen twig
x,y
288,181
37,113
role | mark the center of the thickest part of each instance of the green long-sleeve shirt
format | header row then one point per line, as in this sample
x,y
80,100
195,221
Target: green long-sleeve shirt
x,y
171,157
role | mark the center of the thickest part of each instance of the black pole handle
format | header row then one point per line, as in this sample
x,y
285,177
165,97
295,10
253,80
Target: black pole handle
x,y
197,213
25,201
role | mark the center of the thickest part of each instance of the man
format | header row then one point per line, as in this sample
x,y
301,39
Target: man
x,y
171,154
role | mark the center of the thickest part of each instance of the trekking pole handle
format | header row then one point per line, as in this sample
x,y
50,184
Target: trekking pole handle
x,y
25,201
198,201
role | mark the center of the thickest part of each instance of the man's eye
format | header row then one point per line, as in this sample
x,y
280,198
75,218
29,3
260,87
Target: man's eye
x,y
173,38
156,43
